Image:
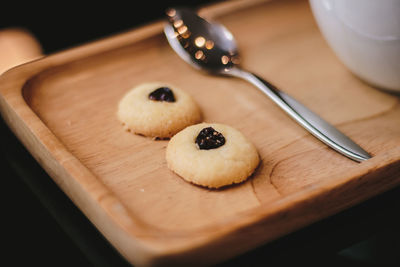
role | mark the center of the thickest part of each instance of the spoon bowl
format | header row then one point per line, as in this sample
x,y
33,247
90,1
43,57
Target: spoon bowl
x,y
211,47
203,45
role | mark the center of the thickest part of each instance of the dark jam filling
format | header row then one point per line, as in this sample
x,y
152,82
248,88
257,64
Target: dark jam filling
x,y
209,138
162,94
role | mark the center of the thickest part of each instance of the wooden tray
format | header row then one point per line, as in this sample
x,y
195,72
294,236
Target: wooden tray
x,y
63,108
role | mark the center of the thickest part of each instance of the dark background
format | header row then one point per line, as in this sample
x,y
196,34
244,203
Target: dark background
x,y
62,24
42,227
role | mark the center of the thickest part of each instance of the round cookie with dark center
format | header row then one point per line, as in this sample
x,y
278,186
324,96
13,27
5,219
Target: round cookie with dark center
x,y
211,155
157,110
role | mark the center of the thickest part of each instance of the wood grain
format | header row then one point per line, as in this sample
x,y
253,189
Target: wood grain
x,y
63,108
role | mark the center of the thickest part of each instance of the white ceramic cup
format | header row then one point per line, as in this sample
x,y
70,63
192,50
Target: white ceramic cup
x,y
365,35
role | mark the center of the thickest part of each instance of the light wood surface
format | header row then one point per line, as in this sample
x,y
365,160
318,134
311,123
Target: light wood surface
x,y
63,108
17,46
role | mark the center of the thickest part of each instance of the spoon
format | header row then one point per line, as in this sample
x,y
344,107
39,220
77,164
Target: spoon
x,y
211,47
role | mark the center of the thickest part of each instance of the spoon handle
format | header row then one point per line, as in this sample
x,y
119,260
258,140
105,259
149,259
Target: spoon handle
x,y
321,129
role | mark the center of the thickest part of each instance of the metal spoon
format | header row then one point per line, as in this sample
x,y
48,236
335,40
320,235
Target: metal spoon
x,y
211,47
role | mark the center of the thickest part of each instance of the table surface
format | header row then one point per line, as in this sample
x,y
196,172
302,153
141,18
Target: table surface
x,y
60,235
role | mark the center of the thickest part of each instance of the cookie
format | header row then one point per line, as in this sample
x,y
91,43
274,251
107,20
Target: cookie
x,y
211,155
157,110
